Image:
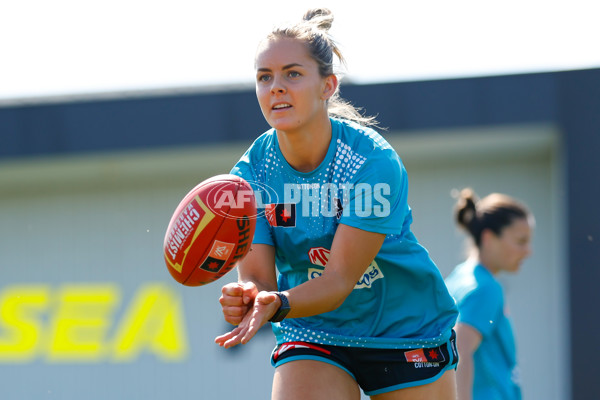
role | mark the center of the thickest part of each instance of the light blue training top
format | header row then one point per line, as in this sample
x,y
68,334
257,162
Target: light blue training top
x,y
401,301
481,305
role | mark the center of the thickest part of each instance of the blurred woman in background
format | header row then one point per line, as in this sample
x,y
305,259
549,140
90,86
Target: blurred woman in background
x,y
500,228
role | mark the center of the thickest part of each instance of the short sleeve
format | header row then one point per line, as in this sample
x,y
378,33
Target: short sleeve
x,y
377,198
482,308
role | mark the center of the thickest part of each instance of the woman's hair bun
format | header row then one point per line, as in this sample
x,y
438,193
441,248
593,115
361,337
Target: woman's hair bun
x,y
322,17
494,212
465,208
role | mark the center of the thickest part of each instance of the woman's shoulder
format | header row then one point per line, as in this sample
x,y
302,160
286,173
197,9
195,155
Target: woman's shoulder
x,y
472,277
255,154
367,145
264,141
487,286
261,146
360,136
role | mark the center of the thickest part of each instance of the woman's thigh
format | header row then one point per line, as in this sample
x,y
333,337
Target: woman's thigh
x,y
442,389
313,380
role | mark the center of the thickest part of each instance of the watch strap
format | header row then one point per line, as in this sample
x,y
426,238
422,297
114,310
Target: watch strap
x,y
283,309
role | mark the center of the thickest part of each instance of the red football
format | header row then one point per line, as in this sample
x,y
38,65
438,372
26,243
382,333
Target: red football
x,y
211,230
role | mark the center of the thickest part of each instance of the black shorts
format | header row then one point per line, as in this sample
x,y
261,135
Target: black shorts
x,y
377,370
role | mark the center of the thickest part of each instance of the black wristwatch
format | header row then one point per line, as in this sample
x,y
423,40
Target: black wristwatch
x,y
283,310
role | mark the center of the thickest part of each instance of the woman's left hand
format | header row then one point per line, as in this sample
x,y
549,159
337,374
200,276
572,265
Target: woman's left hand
x,y
265,306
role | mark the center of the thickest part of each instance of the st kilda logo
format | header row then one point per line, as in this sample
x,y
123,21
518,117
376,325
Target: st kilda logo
x,y
283,214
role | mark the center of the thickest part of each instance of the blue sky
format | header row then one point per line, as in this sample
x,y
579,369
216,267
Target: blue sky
x,y
64,47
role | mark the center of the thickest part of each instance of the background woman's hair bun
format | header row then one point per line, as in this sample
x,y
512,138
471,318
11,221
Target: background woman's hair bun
x,y
322,17
466,208
494,212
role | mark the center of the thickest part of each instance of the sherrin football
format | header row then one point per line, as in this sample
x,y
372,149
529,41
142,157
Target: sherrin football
x,y
211,230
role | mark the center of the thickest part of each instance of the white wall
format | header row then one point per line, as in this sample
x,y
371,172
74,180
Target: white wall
x,y
97,223
101,220
522,162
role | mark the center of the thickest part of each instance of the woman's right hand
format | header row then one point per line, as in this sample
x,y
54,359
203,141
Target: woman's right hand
x,y
236,300
265,306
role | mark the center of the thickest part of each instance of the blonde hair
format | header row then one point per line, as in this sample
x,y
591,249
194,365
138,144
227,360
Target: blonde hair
x,y
313,30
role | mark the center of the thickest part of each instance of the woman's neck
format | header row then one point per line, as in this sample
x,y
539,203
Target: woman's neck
x,y
478,258
305,149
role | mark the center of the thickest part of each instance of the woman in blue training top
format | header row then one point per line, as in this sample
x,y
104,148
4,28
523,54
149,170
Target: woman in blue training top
x,y
501,229
354,300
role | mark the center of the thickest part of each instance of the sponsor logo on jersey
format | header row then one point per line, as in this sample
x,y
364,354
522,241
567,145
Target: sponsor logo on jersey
x,y
320,256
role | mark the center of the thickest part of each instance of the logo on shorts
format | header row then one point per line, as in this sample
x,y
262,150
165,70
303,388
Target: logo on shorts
x,y
425,358
298,345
